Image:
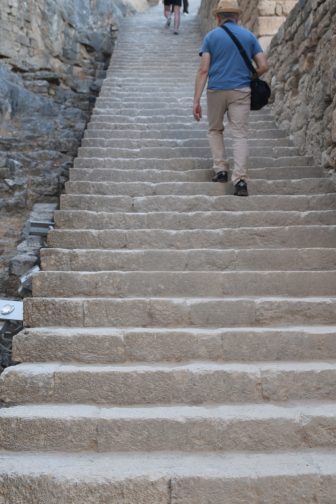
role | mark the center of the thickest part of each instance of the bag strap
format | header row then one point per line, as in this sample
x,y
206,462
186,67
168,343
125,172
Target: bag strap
x,y
242,51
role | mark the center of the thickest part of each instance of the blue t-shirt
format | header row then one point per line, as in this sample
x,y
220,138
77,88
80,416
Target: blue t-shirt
x,y
227,67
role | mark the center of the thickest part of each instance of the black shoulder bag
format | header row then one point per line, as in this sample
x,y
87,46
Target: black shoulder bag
x,y
260,90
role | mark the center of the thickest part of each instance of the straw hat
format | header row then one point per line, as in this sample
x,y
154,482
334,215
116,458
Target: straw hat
x,y
227,6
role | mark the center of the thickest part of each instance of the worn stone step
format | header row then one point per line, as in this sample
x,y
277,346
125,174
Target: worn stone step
x,y
133,102
148,114
216,203
177,111
177,152
123,78
184,164
129,143
158,478
183,283
217,428
255,186
169,383
157,100
81,219
225,238
306,259
120,345
198,203
164,91
181,84
181,312
195,175
102,130
127,91
165,121
178,130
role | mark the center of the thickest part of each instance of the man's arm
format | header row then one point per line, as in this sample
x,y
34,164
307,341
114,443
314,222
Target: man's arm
x,y
261,62
201,80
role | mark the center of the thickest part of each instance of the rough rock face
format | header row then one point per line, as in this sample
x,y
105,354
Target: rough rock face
x,y
263,17
53,57
54,53
303,71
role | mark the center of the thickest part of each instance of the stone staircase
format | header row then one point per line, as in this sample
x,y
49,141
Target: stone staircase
x,y
180,344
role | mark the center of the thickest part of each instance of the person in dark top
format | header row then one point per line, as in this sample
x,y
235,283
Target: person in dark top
x,y
175,7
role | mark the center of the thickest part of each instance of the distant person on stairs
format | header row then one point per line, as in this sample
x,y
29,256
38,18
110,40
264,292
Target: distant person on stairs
x,y
228,91
185,7
175,7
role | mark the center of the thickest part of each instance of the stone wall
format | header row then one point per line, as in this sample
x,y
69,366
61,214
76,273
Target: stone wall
x,y
263,17
303,74
53,57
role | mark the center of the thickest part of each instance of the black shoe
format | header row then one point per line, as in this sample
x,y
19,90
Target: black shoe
x,y
240,188
221,176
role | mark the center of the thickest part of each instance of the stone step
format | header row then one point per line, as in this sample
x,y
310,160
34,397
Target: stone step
x,y
185,164
123,78
199,284
160,97
144,82
255,186
181,312
174,477
225,238
177,112
308,259
165,121
161,91
128,90
120,345
144,77
171,111
177,152
102,130
129,143
217,203
81,219
183,82
136,101
178,129
169,383
195,175
216,428
144,74
198,203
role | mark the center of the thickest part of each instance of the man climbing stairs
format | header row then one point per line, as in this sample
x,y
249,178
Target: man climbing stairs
x,y
180,344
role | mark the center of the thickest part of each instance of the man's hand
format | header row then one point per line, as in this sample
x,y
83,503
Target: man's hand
x,y
197,110
201,79
262,64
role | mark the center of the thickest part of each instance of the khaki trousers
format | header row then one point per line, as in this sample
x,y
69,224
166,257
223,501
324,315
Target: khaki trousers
x,y
236,102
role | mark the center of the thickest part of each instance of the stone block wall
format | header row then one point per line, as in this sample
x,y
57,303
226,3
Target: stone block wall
x,y
263,17
302,60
